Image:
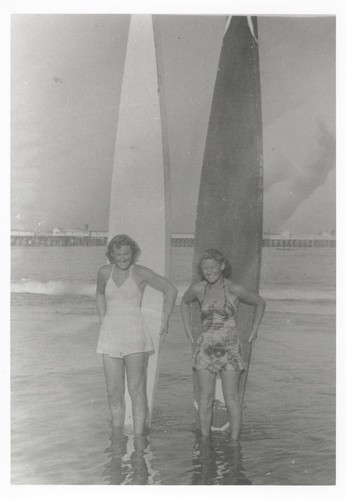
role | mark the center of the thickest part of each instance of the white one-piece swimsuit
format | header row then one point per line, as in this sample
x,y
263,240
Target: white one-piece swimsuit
x,y
123,329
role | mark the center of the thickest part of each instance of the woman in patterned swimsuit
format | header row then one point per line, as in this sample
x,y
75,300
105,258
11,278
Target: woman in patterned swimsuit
x,y
218,349
124,339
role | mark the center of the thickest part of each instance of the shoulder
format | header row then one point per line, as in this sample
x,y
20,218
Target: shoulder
x,y
195,291
104,271
199,286
243,294
141,271
144,274
234,288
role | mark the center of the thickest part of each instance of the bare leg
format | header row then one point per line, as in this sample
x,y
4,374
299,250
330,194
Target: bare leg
x,y
114,373
230,387
206,384
136,365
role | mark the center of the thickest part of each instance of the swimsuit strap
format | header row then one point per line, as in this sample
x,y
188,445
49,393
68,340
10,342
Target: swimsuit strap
x,y
225,299
234,312
112,270
205,291
133,280
224,295
131,275
111,275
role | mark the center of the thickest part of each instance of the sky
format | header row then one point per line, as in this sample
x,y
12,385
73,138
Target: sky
x,y
66,73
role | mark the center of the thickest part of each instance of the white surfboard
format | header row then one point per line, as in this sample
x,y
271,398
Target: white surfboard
x,y
140,195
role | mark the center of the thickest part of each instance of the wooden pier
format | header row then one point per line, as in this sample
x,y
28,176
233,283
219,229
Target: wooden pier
x,y
28,239
39,240
287,244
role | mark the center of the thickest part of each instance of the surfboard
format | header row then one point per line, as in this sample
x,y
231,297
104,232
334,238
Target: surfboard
x,y
229,210
140,202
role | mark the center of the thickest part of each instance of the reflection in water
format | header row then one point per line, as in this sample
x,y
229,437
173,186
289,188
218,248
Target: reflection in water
x,y
130,458
217,460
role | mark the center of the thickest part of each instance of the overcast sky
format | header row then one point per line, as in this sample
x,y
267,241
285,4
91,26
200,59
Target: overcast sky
x,y
66,75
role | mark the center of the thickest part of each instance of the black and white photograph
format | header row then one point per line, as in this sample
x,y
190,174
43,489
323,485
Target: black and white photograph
x,y
173,233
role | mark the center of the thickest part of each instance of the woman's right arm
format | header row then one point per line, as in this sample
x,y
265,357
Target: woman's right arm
x,y
100,293
189,296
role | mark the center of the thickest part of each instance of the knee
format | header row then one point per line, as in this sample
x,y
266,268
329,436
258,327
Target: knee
x,y
136,389
115,396
232,402
206,400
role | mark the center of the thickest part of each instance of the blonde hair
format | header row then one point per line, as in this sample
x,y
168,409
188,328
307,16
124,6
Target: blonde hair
x,y
119,241
217,256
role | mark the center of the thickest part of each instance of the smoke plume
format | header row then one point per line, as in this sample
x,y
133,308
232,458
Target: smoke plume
x,y
285,196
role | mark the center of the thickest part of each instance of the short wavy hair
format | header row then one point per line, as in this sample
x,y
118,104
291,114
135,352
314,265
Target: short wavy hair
x,y
121,240
217,256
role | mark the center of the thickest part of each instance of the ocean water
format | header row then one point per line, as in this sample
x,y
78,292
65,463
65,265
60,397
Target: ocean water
x,y
60,425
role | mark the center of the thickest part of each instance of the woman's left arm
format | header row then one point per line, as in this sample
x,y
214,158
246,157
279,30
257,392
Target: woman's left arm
x,y
253,299
163,285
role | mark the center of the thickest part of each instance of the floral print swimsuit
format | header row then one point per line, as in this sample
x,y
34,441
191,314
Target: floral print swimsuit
x,y
218,347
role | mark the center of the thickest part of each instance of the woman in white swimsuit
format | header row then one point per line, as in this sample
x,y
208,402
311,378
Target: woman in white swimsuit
x,y
124,338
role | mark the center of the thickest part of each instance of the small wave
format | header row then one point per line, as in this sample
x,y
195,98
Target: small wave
x,y
60,287
53,287
287,294
300,294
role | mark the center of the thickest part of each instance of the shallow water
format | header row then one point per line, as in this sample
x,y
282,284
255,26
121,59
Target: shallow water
x,y
60,419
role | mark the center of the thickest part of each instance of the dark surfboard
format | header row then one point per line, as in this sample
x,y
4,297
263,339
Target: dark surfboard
x,y
230,204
